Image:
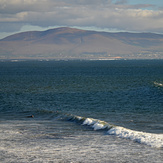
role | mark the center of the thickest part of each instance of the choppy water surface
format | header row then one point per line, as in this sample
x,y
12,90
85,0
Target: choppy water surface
x,y
84,111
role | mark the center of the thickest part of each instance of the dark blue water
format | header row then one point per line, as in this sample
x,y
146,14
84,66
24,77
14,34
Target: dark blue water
x,y
125,93
114,91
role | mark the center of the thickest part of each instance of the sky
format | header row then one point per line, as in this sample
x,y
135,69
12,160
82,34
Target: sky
x,y
101,15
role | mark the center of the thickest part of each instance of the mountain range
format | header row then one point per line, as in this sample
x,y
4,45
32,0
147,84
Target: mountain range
x,y
72,43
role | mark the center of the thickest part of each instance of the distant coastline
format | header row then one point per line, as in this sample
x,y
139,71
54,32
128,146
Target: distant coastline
x,y
70,44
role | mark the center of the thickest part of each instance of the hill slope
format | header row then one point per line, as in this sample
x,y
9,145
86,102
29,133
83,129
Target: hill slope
x,y
70,43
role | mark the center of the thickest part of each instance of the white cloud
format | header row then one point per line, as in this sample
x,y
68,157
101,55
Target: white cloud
x,y
98,13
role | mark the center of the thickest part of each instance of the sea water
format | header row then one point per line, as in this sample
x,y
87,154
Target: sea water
x,y
83,111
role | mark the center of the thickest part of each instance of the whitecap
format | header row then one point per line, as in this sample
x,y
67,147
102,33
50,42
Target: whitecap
x,y
154,140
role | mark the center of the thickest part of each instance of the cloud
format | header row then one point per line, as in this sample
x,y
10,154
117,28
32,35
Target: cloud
x,y
99,13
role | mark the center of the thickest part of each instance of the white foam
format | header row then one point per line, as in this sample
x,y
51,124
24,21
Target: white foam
x,y
29,141
89,121
78,117
158,84
98,126
154,140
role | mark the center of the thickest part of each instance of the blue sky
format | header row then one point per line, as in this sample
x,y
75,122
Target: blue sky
x,y
102,15
154,2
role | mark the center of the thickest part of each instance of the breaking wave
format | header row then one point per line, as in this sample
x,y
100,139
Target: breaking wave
x,y
158,84
150,139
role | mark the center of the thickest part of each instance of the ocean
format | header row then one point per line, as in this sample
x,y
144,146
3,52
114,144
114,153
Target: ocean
x,y
108,111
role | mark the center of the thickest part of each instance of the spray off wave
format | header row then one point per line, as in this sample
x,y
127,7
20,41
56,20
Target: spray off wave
x,y
150,139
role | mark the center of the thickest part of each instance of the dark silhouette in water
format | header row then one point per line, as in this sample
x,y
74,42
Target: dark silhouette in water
x,y
31,116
